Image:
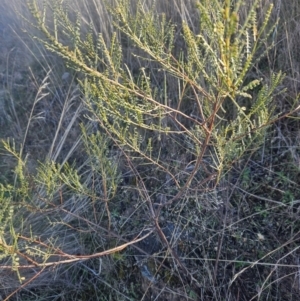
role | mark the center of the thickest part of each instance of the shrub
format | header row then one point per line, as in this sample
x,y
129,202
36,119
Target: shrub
x,y
166,128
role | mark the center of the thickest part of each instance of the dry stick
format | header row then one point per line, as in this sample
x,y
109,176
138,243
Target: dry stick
x,y
61,253
23,285
74,258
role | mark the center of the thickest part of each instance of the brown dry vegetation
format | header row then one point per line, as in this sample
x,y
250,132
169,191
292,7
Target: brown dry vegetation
x,y
238,240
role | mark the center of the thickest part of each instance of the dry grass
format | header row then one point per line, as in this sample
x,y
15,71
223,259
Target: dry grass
x,y
239,241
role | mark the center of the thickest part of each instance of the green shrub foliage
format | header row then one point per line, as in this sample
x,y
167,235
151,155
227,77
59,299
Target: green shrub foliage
x,y
213,109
